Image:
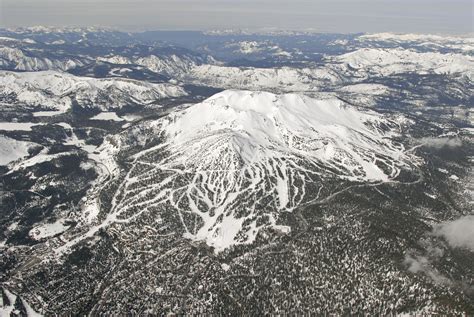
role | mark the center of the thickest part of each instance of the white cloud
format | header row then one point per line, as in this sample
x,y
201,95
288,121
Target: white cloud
x,y
458,233
421,264
439,143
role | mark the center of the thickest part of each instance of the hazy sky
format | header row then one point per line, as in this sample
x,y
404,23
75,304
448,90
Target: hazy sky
x,y
428,16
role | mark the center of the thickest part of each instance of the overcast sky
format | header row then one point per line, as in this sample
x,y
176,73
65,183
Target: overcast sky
x,y
420,16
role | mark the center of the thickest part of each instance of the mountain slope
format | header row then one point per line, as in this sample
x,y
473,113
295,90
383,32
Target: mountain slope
x,y
170,65
55,90
426,41
283,79
354,67
384,62
227,167
16,59
11,149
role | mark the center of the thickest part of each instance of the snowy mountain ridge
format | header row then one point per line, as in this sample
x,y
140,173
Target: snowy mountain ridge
x,y
395,61
56,91
461,43
351,67
171,65
15,59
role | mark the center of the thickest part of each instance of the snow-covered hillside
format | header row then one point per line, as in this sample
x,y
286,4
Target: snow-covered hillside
x,y
353,67
171,65
383,62
256,47
283,79
263,125
57,91
229,165
460,44
12,150
16,59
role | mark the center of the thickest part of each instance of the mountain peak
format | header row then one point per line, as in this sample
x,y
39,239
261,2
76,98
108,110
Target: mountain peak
x,y
263,125
240,158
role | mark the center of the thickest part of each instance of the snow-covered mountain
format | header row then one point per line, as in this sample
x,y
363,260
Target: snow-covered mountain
x,y
259,126
285,79
68,49
57,91
334,172
12,58
170,65
384,62
228,166
256,47
42,29
427,41
349,68
20,58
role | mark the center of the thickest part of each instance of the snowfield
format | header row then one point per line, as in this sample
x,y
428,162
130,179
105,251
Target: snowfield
x,y
263,125
48,230
107,116
12,150
17,126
